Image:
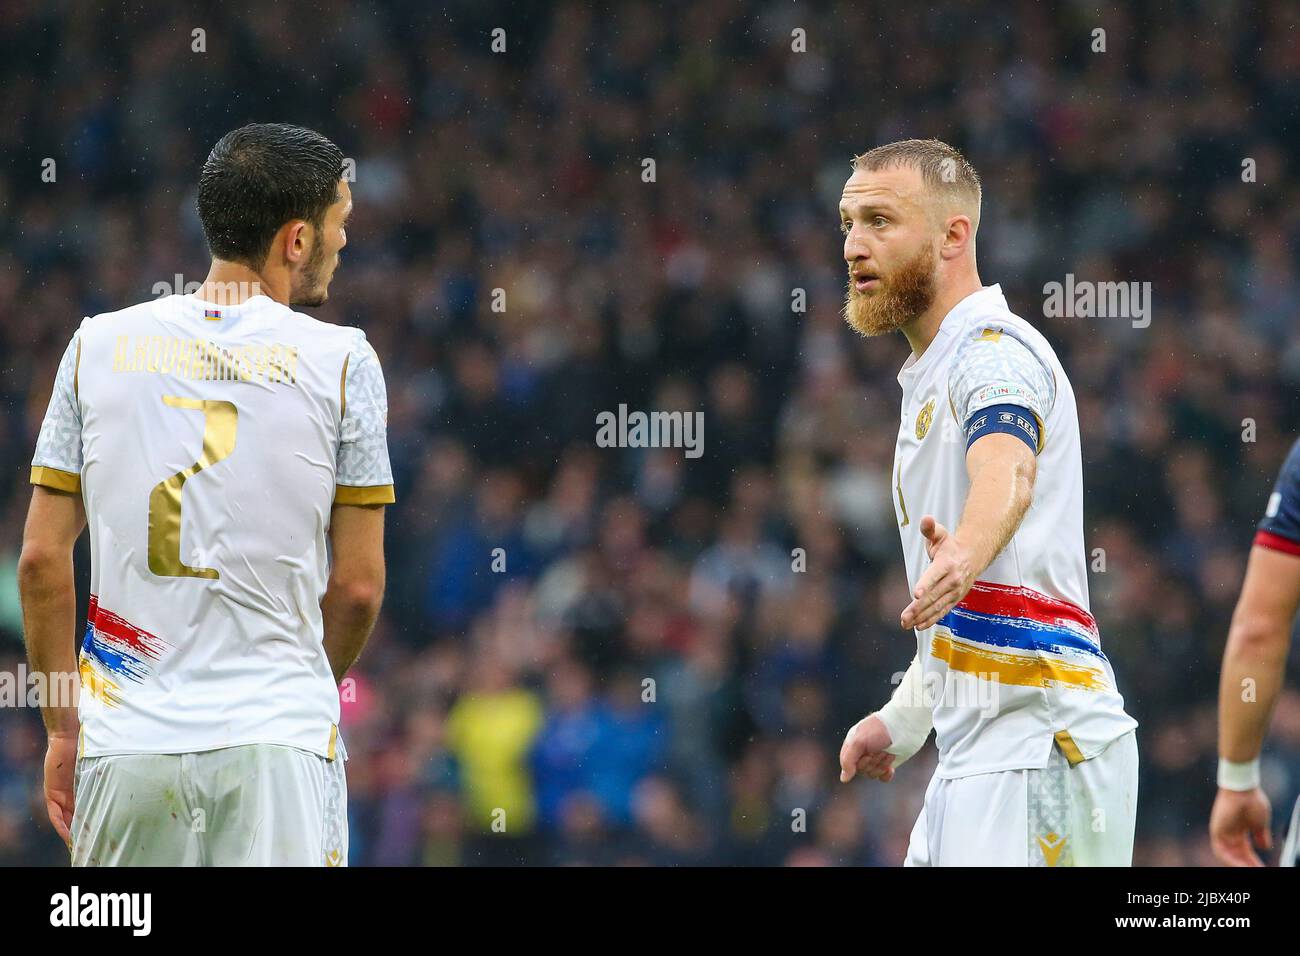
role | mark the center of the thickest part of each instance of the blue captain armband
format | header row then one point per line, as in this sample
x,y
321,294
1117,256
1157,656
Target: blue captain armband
x,y
1008,419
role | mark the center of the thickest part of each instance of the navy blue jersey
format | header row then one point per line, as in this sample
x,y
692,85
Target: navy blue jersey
x,y
1280,529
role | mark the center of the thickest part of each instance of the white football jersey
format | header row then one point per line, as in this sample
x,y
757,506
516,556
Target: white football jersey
x,y
209,443
1017,666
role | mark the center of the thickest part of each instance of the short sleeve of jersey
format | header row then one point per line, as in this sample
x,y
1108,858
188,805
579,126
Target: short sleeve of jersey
x,y
364,474
1280,528
57,462
994,368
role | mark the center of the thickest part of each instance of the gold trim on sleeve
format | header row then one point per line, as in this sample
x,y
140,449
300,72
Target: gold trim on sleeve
x,y
56,478
901,503
343,389
76,372
367,495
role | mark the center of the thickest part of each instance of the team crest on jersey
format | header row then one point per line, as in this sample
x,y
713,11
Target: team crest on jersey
x,y
923,419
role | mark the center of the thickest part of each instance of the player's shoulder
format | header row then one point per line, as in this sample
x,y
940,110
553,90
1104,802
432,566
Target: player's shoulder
x,y
1282,515
993,324
329,341
992,337
1000,354
1286,490
346,338
120,320
1289,476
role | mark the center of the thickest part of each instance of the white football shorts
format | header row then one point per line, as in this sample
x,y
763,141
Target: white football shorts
x,y
1062,815
251,805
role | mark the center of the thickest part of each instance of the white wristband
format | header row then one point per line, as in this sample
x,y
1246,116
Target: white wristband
x,y
908,716
1238,776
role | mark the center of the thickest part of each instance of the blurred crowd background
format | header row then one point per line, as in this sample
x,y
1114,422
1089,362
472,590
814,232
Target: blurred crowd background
x,y
650,680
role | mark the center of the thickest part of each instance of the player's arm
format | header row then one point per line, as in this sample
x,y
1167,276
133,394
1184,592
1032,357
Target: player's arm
x,y
356,585
1254,665
1003,392
364,486
1255,656
881,742
46,588
1002,470
55,519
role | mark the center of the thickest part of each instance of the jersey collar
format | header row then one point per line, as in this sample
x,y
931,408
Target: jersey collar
x,y
988,298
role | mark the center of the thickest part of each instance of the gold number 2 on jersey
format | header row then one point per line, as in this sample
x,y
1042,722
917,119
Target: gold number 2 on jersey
x,y
220,421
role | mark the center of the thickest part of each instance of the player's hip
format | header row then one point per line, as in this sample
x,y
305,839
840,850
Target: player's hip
x,y
1009,716
1062,814
176,717
256,804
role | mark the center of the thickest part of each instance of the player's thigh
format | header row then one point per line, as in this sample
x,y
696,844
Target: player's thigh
x,y
1104,804
1291,845
982,821
919,843
132,810
270,805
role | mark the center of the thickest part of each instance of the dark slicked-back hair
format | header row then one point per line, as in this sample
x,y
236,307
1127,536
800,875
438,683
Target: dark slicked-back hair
x,y
259,177
943,169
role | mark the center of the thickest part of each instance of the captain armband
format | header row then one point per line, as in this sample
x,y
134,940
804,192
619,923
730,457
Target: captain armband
x,y
1007,419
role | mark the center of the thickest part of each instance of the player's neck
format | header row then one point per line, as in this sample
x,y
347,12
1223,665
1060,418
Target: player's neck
x,y
232,283
922,331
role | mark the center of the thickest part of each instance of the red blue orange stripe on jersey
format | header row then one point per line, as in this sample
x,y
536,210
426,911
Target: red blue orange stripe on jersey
x,y
1004,615
115,650
992,617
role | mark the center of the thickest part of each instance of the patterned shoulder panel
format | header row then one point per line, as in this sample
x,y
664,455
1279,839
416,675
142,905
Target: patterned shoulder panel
x,y
58,459
363,434
994,365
